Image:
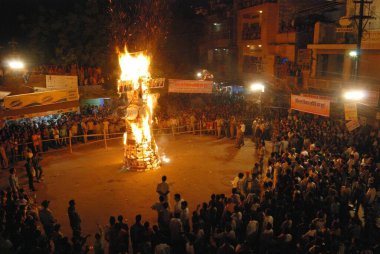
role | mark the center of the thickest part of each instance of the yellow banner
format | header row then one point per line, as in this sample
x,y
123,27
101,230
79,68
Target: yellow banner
x,y
35,99
350,112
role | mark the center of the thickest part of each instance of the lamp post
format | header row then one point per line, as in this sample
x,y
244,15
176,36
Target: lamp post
x,y
258,87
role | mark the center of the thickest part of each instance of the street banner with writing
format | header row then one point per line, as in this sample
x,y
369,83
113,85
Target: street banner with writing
x,y
61,81
310,105
190,86
322,97
35,99
69,83
352,125
350,111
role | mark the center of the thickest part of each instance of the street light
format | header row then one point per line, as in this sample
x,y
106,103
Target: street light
x,y
199,74
353,53
16,64
258,87
355,95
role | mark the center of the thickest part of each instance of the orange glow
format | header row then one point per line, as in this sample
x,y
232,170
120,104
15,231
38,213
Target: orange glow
x,y
135,75
134,67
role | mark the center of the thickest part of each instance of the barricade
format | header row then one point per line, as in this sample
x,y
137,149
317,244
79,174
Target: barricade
x,y
67,143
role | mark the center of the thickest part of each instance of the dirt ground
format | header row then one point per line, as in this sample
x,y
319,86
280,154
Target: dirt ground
x,y
91,175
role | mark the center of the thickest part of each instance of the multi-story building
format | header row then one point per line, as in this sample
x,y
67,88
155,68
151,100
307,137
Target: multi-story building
x,y
218,48
333,68
272,38
267,40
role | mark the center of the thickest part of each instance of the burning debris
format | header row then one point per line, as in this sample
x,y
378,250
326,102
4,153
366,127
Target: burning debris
x,y
140,149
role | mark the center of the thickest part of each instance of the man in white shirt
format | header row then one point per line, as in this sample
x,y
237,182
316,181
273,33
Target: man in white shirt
x,y
177,205
163,189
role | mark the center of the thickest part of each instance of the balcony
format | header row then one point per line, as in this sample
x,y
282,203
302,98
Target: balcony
x,y
324,84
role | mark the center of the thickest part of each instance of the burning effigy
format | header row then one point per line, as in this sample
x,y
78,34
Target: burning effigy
x,y
140,148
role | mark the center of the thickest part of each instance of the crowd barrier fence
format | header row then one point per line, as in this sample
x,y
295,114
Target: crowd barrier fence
x,y
67,143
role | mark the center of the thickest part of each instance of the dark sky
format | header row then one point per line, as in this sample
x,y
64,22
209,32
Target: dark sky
x,y
12,13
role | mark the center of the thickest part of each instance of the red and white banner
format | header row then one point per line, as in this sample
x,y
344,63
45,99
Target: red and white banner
x,y
310,105
189,86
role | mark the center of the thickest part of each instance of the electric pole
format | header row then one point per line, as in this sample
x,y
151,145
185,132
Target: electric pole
x,y
361,21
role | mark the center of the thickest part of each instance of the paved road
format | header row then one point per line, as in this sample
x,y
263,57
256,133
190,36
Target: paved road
x,y
91,175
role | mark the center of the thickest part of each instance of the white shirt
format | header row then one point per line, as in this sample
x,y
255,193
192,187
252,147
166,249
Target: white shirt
x,y
252,227
242,127
162,188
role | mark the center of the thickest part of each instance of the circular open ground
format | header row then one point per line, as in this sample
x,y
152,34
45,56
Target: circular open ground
x,y
199,166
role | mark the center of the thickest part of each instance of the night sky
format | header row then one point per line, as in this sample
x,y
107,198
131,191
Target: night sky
x,y
15,13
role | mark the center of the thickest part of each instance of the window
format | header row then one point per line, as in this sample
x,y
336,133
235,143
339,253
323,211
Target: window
x,y
251,31
252,64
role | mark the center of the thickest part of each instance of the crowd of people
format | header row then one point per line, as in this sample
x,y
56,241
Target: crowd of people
x,y
44,133
316,192
86,75
220,116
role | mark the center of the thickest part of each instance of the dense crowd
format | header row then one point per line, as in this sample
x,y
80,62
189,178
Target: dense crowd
x,y
219,115
86,75
316,192
44,133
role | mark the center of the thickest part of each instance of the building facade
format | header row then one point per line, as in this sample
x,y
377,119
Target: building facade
x,y
333,69
218,48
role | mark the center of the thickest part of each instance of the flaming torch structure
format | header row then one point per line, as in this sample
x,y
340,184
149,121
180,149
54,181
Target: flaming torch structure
x,y
140,149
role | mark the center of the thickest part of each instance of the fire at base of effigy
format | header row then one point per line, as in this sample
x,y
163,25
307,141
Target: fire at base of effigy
x,y
140,149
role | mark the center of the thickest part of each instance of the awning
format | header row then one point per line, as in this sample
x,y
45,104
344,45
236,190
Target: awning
x,y
3,94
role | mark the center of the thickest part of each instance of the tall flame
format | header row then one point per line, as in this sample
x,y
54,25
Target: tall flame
x,y
135,69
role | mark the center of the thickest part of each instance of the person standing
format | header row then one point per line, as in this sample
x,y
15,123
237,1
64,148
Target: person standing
x,y
47,219
232,127
240,135
30,173
4,158
85,130
106,124
13,181
163,189
219,125
37,167
185,217
260,155
125,237
137,235
178,202
74,219
192,123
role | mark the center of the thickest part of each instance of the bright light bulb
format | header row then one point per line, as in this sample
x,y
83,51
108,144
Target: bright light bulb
x,y
353,53
355,95
257,87
16,64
